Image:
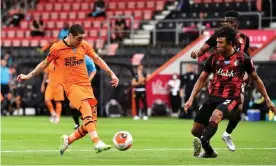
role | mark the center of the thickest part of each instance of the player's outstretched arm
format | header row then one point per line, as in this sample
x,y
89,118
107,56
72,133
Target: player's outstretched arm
x,y
101,63
197,87
200,52
261,88
39,68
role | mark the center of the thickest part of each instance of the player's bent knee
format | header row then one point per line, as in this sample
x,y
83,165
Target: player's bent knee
x,y
197,129
216,116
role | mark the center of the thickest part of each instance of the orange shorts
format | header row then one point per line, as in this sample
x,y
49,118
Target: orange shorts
x,y
77,94
54,92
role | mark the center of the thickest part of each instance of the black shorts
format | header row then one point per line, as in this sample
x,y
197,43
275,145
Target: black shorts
x,y
226,106
5,89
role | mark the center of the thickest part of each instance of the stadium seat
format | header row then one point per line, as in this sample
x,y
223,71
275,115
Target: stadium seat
x,y
60,23
147,15
150,4
121,5
49,6
63,15
131,5
34,42
93,33
54,15
58,6
91,41
96,24
140,5
72,15
16,42
7,42
112,5
40,7
87,24
81,15
85,6
99,43
25,43
11,33
103,33
76,6
24,24
67,7
51,24
20,33
45,15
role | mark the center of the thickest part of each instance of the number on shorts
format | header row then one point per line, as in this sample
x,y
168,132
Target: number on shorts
x,y
226,102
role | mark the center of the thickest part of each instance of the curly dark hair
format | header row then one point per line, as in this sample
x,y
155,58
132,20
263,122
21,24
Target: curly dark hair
x,y
232,13
228,32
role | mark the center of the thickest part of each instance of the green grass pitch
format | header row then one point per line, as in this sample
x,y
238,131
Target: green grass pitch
x,y
158,141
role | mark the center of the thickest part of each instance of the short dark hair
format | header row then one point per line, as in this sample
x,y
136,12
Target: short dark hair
x,y
76,29
232,13
228,32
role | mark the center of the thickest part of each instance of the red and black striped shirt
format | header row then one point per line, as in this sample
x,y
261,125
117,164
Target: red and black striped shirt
x,y
228,73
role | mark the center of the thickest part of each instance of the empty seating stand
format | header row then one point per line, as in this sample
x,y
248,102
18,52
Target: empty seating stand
x,y
56,12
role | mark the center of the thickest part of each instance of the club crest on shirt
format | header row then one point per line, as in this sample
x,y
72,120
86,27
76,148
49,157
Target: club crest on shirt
x,y
227,62
236,63
74,49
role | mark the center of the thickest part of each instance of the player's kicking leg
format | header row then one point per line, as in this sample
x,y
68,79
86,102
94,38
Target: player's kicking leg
x,y
64,144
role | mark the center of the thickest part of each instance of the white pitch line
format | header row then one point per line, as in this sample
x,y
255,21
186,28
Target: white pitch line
x,y
153,149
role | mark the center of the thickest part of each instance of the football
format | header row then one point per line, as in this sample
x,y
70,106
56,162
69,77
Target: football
x,y
122,140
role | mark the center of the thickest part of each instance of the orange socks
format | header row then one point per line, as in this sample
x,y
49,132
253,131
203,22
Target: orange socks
x,y
79,133
88,122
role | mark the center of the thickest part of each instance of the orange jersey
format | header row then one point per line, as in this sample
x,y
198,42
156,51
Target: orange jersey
x,y
50,71
69,62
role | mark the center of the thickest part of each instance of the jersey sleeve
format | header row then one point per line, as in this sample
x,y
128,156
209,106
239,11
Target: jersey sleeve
x,y
208,65
53,54
89,50
212,41
248,64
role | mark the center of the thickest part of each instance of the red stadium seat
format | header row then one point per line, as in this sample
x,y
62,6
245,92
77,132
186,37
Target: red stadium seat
x,y
24,24
49,6
81,15
25,43
96,24
20,33
85,6
45,15
34,42
150,4
59,24
87,24
103,32
118,12
55,33
16,42
137,13
51,24
131,5
140,4
128,12
73,15
112,5
40,7
76,6
147,15
58,6
99,43
91,41
93,33
63,15
27,33
7,42
121,5
109,13
67,6
11,33
197,1
43,42
48,33
160,5
54,15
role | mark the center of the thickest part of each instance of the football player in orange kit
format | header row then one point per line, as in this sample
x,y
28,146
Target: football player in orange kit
x,y
68,57
54,92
